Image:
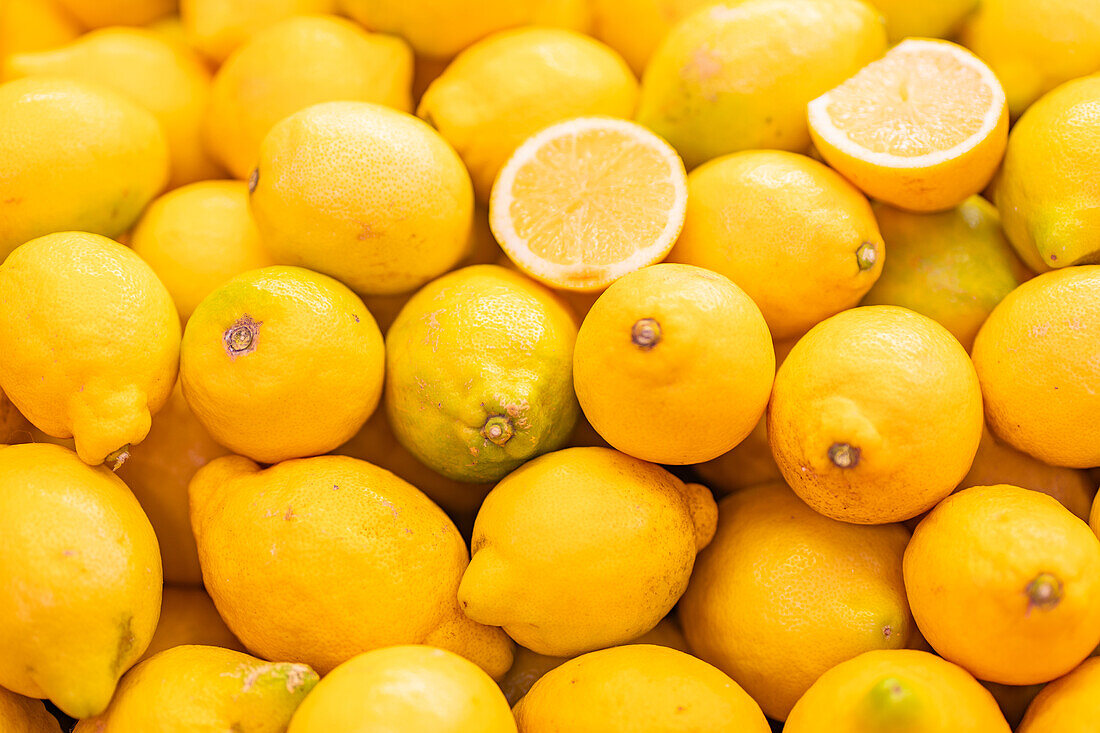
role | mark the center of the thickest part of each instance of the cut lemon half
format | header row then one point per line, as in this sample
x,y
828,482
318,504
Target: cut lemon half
x,y
585,201
922,128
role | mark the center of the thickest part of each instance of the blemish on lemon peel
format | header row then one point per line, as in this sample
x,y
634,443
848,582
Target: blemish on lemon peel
x,y
125,643
117,458
497,429
866,256
646,333
253,180
1044,592
844,455
242,337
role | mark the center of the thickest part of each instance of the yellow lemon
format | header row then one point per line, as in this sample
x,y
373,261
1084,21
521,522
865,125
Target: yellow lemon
x,y
77,157
793,234
109,360
442,28
922,128
479,373
954,266
875,397
637,687
197,688
1005,582
1035,46
80,574
783,594
217,27
20,714
1068,704
34,25
1046,193
388,232
188,616
197,237
585,201
169,81
925,19
282,362
158,473
737,77
99,13
413,689
635,28
611,539
658,345
320,559
507,87
896,690
295,63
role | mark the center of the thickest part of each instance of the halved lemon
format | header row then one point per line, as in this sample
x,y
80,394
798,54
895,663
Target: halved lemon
x,y
585,201
922,128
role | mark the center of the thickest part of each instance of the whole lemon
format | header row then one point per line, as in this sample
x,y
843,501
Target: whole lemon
x,y
295,63
282,362
158,473
896,690
1005,582
320,559
505,88
783,594
194,688
217,27
611,540
1036,360
369,195
662,341
736,77
442,28
89,341
188,616
637,687
20,714
80,578
163,77
875,415
1046,192
479,373
76,156
197,237
1070,704
789,231
413,689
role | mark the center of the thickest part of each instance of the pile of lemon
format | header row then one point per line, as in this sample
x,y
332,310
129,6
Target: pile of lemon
x,y
586,366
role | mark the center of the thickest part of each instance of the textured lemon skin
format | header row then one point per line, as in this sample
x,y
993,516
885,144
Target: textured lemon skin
x,y
783,594
77,156
368,560
118,334
897,689
194,687
969,571
1068,704
291,65
20,714
383,234
481,344
611,538
1035,364
736,78
414,689
216,28
80,574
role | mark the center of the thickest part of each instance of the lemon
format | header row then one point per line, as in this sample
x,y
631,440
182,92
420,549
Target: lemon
x,y
80,574
413,689
188,616
218,27
479,373
507,87
1046,193
282,362
197,237
659,343
99,13
204,688
635,28
381,234
25,715
295,63
77,156
736,77
954,266
926,19
109,360
169,81
634,688
611,540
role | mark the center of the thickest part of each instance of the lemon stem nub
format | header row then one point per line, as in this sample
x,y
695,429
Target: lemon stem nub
x,y
497,429
240,338
843,455
119,457
253,180
646,333
866,256
1044,592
